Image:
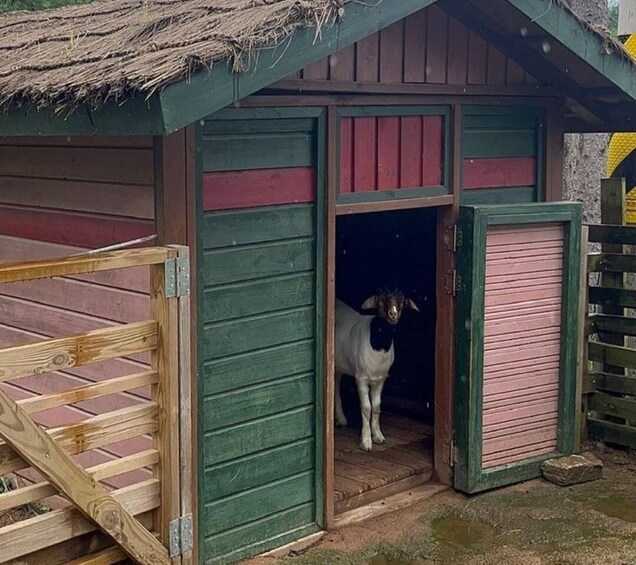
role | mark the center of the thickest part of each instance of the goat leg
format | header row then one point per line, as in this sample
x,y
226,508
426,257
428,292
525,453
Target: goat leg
x,y
341,419
365,408
376,399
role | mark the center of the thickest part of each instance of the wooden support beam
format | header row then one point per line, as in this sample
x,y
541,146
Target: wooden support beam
x,y
90,497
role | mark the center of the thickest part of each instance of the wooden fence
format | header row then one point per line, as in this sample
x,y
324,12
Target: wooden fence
x,y
609,384
89,520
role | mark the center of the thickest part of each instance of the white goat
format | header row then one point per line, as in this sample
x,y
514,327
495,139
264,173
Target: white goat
x,y
364,349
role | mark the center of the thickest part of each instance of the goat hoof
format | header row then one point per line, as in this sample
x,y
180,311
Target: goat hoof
x,y
366,445
341,423
379,439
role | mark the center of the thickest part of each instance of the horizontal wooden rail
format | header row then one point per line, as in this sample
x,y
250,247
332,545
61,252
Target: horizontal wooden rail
x,y
92,433
619,235
88,392
616,406
611,432
38,491
84,264
611,263
606,323
61,525
608,382
615,355
108,556
56,354
606,296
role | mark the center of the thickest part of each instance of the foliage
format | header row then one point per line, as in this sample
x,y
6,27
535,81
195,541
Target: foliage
x,y
10,5
612,19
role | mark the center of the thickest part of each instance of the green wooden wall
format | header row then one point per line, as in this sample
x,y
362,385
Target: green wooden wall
x,y
260,401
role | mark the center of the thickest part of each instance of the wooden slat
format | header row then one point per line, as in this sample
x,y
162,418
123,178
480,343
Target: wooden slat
x,y
38,491
91,347
92,499
54,527
612,433
83,264
92,433
615,355
83,393
611,262
614,234
606,323
607,296
107,556
436,45
620,384
610,405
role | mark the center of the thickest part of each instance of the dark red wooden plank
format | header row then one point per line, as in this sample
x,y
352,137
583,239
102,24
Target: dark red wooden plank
x,y
514,73
368,59
411,152
392,53
317,71
433,150
529,79
436,45
346,155
457,52
82,230
496,75
500,172
388,152
364,154
477,59
415,48
343,65
261,187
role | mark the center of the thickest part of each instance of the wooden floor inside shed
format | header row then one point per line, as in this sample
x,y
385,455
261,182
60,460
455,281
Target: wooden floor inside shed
x,y
403,462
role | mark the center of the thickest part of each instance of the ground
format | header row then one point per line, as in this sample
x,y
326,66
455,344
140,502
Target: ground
x,y
534,523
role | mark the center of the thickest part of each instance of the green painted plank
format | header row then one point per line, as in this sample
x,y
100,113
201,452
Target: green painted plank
x,y
234,127
610,405
258,261
256,225
257,503
259,536
516,195
500,110
625,235
264,151
507,143
390,195
612,354
223,339
257,435
612,296
232,408
209,91
611,432
489,122
255,470
258,297
278,113
256,367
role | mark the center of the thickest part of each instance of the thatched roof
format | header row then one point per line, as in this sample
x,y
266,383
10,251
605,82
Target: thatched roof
x,y
114,49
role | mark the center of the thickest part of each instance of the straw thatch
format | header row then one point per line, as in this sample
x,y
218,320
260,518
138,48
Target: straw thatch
x,y
115,49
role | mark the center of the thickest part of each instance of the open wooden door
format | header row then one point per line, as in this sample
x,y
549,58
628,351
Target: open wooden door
x,y
518,284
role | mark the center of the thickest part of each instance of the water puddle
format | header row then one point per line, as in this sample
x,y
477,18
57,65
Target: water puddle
x,y
463,533
616,507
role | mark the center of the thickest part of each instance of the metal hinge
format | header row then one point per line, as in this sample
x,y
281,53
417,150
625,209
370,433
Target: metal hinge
x,y
181,535
177,277
452,282
452,456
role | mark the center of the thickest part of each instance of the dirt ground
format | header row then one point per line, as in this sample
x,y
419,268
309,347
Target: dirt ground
x,y
534,523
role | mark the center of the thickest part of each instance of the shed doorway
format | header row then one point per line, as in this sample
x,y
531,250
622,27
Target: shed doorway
x,y
394,249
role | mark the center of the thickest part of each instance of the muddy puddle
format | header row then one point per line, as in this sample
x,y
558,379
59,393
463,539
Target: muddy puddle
x,y
463,534
616,507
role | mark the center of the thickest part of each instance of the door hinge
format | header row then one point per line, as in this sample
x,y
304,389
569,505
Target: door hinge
x,y
452,282
177,277
181,540
452,456
451,238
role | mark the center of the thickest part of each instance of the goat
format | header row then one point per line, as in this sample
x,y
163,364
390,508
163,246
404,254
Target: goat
x,y
364,349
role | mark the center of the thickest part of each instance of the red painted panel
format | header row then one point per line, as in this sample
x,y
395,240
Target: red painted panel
x,y
342,65
317,71
500,172
368,59
391,53
346,155
415,48
436,45
477,59
457,52
411,152
262,187
514,74
82,230
388,153
364,154
496,75
433,143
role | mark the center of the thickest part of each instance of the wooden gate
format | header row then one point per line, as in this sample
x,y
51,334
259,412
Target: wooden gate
x,y
149,519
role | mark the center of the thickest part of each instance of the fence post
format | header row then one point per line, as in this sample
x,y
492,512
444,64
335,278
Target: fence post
x,y
612,213
580,427
165,360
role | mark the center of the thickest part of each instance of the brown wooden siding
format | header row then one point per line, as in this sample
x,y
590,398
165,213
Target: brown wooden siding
x,y
428,47
60,196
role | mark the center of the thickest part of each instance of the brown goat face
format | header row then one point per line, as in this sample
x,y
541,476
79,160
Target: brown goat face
x,y
389,305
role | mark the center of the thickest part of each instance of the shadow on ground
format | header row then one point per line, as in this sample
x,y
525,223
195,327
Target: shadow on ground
x,y
533,523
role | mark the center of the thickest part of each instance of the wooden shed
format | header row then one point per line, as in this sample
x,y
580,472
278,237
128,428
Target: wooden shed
x,y
305,151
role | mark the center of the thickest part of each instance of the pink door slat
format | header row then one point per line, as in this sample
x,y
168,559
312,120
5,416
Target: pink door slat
x,y
522,342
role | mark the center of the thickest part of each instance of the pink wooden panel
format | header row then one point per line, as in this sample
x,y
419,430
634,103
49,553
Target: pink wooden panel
x,y
522,342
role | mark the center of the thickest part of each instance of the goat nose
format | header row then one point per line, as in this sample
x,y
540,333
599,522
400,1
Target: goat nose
x,y
393,313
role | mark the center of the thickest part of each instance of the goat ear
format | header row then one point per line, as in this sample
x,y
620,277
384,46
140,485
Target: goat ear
x,y
370,303
412,305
